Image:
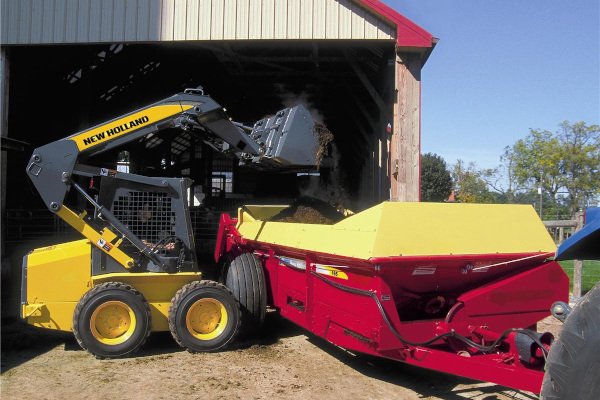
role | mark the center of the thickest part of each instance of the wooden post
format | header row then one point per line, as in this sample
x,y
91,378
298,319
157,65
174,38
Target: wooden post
x,y
577,275
577,264
561,234
405,151
4,82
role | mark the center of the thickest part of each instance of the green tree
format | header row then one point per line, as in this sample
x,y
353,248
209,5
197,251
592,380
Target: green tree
x,y
580,167
537,161
503,179
470,185
436,182
567,161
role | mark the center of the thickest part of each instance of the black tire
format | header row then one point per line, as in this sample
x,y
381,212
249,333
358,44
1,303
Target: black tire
x,y
204,316
111,320
246,280
573,366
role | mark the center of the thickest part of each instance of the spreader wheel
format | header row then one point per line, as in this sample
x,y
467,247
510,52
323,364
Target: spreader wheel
x,y
204,316
246,280
573,366
111,320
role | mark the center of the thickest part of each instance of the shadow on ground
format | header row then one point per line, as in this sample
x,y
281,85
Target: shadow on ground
x,y
22,342
427,383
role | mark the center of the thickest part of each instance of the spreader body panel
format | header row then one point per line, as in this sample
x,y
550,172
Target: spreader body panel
x,y
410,229
451,287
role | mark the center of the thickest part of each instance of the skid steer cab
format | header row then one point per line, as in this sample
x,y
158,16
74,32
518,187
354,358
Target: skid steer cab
x,y
136,270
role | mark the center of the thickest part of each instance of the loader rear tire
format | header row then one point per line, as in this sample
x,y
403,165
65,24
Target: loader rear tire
x,y
204,316
246,280
573,365
111,320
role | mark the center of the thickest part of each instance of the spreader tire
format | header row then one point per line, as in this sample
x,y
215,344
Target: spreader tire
x,y
246,280
204,316
573,366
111,320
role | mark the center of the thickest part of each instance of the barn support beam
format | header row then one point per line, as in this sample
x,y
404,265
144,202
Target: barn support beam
x,y
366,82
405,146
4,82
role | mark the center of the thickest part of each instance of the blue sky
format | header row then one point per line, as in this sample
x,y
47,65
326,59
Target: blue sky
x,y
502,67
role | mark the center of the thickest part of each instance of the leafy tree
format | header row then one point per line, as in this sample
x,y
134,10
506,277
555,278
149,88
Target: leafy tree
x,y
567,161
470,185
537,161
503,179
436,182
580,165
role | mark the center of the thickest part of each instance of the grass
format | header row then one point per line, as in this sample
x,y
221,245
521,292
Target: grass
x,y
590,274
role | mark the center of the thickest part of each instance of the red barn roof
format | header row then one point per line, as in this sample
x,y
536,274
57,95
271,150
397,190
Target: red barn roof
x,y
408,34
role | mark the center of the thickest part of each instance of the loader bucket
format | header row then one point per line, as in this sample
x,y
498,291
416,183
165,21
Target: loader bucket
x,y
288,139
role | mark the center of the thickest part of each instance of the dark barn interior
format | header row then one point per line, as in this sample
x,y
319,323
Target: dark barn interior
x,y
71,88
56,91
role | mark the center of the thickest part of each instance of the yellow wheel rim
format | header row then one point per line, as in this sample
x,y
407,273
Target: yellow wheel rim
x,y
112,322
206,319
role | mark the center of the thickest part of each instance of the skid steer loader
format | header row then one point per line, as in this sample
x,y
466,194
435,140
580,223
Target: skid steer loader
x,y
136,270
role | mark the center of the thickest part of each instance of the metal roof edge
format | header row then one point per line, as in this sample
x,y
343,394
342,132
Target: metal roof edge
x,y
408,33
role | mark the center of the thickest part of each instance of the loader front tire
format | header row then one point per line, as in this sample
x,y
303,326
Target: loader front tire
x,y
573,365
204,316
246,280
111,320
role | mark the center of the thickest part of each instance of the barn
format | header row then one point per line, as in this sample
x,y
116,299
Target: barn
x,y
70,64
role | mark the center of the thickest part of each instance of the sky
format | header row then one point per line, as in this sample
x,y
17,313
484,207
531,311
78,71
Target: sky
x,y
502,67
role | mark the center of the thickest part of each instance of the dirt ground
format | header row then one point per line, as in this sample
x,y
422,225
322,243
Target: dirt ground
x,y
284,362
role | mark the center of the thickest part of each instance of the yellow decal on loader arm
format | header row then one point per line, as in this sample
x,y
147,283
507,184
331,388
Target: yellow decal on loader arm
x,y
137,120
101,240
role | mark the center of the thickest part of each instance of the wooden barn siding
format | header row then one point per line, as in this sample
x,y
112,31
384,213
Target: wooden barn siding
x,y
94,21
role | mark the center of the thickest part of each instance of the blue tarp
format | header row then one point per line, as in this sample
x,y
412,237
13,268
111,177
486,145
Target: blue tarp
x,y
585,244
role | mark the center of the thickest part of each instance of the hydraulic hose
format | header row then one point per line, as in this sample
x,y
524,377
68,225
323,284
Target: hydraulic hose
x,y
451,334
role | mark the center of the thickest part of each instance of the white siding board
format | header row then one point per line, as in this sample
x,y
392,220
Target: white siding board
x,y
118,34
48,22
180,20
24,22
142,15
241,17
204,18
319,18
95,22
167,17
4,7
14,10
154,20
229,19
109,21
306,19
345,31
216,20
60,21
268,19
191,20
358,22
71,22
37,17
332,19
83,21
106,21
384,31
130,21
255,19
281,11
293,28
370,26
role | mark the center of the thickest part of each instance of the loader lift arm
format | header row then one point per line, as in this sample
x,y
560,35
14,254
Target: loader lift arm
x,y
285,140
